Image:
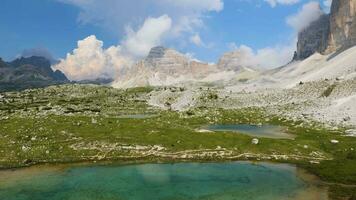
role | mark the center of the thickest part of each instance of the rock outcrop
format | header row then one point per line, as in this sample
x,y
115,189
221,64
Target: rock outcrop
x,y
330,33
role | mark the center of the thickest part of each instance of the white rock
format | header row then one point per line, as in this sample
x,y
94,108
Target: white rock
x,y
351,132
255,141
93,121
305,146
25,149
334,141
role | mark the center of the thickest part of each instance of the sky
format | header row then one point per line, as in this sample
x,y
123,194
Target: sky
x,y
95,38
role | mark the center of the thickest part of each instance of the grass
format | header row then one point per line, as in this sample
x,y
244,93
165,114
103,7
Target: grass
x,y
41,126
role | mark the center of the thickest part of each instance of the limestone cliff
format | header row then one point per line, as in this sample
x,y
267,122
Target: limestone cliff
x,y
342,25
313,39
330,33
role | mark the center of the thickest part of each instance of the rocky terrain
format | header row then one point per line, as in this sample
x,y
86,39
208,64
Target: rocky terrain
x,y
31,72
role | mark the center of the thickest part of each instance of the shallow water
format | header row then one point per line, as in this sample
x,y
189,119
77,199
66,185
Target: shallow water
x,y
268,131
214,181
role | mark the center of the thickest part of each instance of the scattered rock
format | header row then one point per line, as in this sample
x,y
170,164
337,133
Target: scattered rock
x,y
25,148
334,141
27,161
351,132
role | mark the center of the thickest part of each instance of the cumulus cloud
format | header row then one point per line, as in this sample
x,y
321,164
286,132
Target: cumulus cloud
x,y
90,61
269,57
274,3
149,35
309,13
138,31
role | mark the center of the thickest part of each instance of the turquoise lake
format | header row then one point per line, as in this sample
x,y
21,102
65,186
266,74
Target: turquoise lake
x,y
213,181
267,131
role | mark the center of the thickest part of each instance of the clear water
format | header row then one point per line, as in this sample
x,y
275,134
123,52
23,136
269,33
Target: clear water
x,y
268,131
213,181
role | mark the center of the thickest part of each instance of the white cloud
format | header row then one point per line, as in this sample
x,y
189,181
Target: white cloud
x,y
209,5
309,13
90,61
115,15
274,3
269,57
195,39
149,35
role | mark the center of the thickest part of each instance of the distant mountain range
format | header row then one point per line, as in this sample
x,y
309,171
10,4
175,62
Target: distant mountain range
x,y
324,50
165,66
31,72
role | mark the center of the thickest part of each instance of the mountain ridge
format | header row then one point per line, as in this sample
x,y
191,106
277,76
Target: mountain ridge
x,y
32,72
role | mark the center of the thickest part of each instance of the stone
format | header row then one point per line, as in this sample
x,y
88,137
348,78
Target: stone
x,y
334,141
351,132
255,141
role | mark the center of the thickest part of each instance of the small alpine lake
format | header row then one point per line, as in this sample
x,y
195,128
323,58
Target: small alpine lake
x,y
213,181
267,131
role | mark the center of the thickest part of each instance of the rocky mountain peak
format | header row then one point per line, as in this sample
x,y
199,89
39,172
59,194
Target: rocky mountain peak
x,y
33,60
313,39
330,33
233,61
156,52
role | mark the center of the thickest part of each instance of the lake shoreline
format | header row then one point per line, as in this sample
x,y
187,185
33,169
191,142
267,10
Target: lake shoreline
x,y
313,184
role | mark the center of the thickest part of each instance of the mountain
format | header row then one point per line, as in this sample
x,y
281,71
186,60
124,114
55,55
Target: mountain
x,y
313,39
31,72
324,50
164,66
331,33
342,25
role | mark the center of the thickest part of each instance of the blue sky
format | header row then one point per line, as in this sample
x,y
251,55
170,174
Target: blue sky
x,y
57,25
